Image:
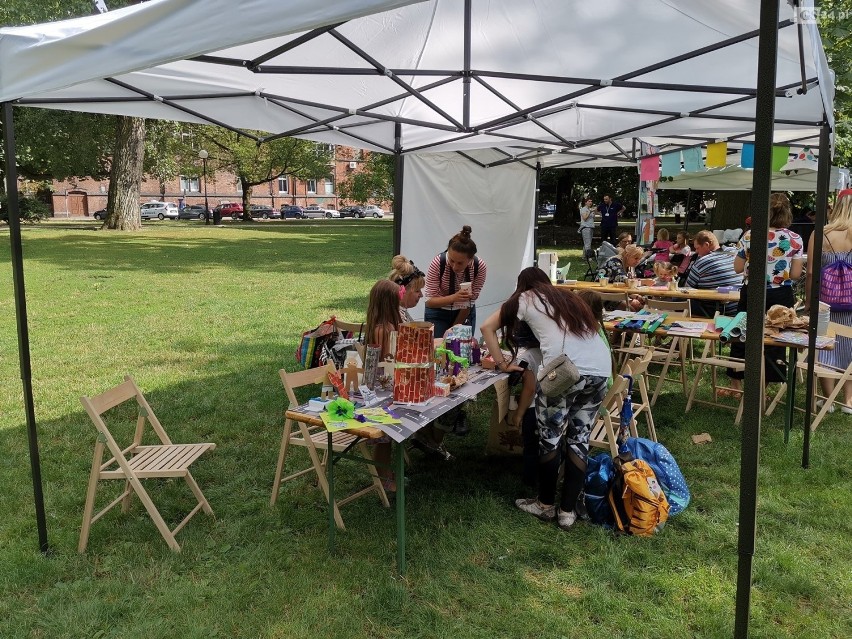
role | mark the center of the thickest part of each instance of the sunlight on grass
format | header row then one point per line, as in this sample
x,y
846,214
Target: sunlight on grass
x,y
203,318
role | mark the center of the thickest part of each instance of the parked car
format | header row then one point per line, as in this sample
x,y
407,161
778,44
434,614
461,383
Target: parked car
x,y
292,212
373,210
315,210
100,215
191,212
159,210
353,211
264,212
234,210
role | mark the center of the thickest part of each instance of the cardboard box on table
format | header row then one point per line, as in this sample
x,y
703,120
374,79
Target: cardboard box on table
x,y
503,439
414,371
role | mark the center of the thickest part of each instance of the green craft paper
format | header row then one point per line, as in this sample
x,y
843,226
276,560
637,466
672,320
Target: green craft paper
x,y
780,157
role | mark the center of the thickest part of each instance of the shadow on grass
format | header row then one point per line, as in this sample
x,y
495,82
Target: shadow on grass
x,y
257,247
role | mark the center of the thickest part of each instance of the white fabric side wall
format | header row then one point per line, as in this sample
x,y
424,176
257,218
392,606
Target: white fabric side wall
x,y
444,191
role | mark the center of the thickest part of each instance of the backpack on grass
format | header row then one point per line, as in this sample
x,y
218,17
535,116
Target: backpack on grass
x,y
665,467
599,474
638,504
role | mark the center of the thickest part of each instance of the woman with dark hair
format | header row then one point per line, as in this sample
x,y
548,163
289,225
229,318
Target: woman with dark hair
x,y
453,283
562,323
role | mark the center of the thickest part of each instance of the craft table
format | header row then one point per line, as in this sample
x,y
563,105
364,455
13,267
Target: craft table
x,y
792,354
413,418
701,294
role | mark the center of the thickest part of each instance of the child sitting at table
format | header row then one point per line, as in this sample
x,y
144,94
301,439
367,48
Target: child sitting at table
x,y
666,272
662,246
383,320
681,247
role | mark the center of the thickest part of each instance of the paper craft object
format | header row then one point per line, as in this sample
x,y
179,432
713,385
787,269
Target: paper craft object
x,y
414,371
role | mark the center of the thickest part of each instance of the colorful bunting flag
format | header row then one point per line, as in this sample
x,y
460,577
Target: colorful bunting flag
x,y
649,168
747,156
780,157
692,161
671,164
717,154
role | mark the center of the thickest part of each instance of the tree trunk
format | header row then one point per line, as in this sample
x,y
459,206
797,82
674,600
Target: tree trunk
x,y
565,208
247,188
126,175
731,210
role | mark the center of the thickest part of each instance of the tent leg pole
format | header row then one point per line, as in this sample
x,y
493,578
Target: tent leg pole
x,y
398,180
21,317
823,176
755,309
535,212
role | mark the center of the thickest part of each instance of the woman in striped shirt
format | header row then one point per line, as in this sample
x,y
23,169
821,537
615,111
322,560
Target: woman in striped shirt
x,y
454,281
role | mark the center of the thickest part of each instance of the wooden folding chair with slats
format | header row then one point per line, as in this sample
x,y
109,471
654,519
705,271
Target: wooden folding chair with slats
x,y
637,368
314,438
604,430
137,462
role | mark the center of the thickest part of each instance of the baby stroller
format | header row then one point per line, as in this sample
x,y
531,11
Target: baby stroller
x,y
594,259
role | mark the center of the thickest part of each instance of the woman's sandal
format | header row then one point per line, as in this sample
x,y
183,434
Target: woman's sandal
x,y
730,393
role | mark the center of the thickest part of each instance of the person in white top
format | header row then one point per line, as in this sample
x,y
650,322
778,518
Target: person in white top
x,y
563,323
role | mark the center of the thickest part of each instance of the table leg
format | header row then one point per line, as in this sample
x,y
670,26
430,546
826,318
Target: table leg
x,y
792,354
329,469
400,508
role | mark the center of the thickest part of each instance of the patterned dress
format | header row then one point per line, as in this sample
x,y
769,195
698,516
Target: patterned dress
x,y
842,353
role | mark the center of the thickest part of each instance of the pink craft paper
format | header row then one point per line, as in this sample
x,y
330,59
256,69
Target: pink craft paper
x,y
649,168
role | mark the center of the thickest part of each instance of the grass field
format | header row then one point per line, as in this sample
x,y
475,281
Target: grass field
x,y
203,318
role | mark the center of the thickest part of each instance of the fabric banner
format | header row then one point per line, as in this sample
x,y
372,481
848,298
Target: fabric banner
x,y
747,156
671,164
692,161
780,156
717,154
649,168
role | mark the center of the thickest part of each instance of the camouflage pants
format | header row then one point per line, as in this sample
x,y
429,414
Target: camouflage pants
x,y
567,420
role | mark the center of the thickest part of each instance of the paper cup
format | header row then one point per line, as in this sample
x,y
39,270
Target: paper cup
x,y
604,281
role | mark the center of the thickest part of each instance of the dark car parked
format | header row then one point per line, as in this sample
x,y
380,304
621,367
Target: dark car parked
x,y
191,212
100,215
353,211
264,212
292,212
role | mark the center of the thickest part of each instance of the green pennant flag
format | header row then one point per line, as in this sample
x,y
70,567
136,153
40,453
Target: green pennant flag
x,y
780,157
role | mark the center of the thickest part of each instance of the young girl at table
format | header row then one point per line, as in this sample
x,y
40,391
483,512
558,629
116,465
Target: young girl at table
x,y
662,246
681,247
665,272
383,320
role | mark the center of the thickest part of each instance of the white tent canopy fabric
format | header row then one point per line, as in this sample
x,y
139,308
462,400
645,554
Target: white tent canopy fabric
x,y
556,80
736,178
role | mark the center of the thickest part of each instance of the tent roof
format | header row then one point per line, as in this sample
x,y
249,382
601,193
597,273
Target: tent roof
x,y
558,81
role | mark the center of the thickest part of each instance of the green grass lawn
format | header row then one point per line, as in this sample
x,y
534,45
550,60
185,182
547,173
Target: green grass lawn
x,y
203,318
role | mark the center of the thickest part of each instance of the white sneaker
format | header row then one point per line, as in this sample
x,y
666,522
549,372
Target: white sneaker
x,y
846,410
821,402
534,507
566,519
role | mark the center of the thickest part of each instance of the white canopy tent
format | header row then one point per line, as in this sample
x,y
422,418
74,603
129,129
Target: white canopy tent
x,y
736,178
500,82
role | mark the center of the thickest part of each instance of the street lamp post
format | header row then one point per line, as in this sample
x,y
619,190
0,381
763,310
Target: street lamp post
x,y
203,155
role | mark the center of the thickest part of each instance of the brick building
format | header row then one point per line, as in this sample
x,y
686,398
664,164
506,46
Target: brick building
x,y
81,198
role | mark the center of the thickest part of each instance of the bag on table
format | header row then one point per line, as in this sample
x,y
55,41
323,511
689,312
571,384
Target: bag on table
x,y
638,503
310,348
835,285
665,468
339,343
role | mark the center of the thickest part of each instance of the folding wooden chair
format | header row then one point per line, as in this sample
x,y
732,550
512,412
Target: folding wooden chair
x,y
137,462
637,368
821,371
713,359
315,438
604,430
670,355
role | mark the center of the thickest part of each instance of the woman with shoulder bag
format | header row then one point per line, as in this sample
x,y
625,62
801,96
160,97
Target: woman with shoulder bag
x,y
563,324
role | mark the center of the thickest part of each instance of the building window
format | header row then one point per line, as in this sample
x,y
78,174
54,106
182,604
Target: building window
x,y
312,186
239,187
328,186
283,184
190,184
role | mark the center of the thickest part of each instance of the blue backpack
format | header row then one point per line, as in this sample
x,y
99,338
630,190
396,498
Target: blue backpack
x,y
665,467
599,474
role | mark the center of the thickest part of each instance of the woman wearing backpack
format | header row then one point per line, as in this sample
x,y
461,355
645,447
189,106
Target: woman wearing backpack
x,y
783,268
836,247
562,323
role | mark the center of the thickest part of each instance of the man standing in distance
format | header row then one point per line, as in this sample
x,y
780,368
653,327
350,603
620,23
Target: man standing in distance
x,y
610,212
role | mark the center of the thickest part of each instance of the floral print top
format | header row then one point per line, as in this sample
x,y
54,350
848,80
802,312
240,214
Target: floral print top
x,y
783,247
614,269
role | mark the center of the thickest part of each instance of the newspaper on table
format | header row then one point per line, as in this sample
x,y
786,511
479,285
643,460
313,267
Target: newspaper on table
x,y
801,339
688,329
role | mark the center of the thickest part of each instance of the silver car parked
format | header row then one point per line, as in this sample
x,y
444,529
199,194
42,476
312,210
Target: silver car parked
x,y
159,210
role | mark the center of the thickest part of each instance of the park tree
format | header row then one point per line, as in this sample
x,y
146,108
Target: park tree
x,y
255,163
373,181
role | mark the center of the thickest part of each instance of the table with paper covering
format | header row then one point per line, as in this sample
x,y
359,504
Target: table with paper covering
x,y
406,420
